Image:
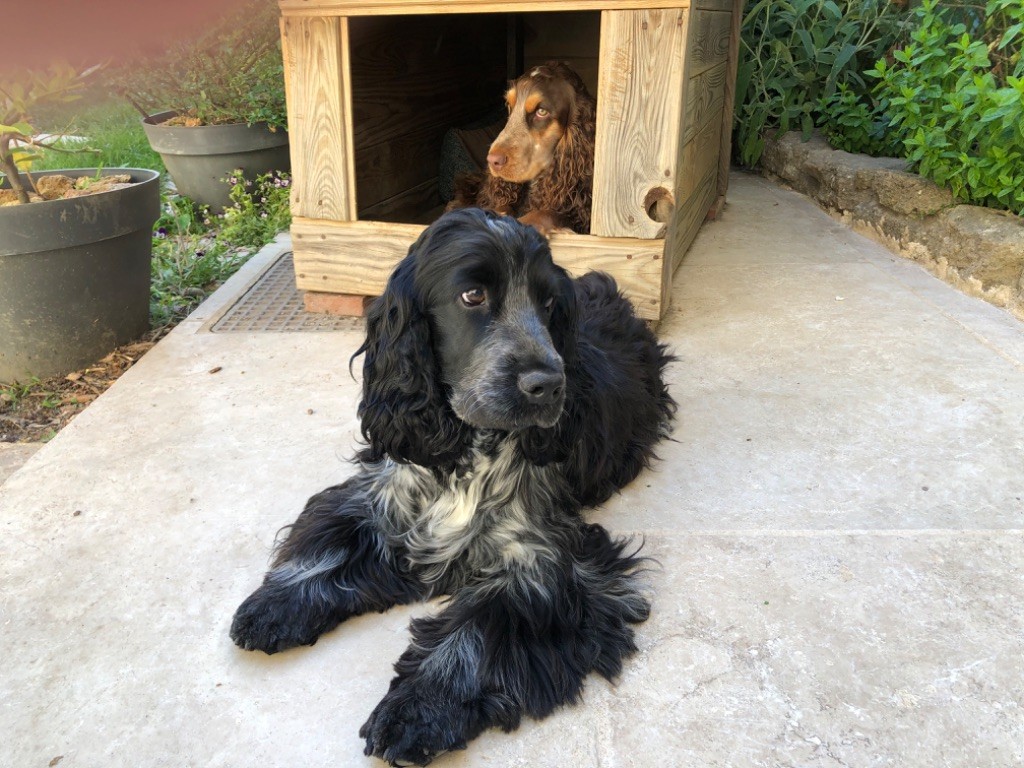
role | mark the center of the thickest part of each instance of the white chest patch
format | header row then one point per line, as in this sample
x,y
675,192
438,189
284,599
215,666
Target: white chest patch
x,y
437,521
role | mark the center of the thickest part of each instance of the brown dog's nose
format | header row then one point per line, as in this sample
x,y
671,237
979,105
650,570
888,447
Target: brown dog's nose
x,y
496,160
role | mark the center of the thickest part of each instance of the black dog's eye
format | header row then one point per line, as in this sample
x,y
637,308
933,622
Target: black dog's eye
x,y
549,305
474,297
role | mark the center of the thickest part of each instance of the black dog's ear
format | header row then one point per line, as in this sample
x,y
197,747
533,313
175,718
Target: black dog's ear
x,y
404,411
541,445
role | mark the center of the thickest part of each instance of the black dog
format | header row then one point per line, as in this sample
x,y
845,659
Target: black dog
x,y
499,398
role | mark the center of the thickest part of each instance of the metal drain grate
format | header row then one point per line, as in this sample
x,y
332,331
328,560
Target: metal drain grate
x,y
273,303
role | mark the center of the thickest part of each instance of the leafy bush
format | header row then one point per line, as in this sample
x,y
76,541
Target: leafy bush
x,y
797,54
952,100
260,210
232,74
194,252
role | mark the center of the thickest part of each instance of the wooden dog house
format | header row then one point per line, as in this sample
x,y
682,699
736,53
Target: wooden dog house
x,y
372,88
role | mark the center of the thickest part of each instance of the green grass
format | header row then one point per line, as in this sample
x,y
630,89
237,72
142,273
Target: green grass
x,y
114,134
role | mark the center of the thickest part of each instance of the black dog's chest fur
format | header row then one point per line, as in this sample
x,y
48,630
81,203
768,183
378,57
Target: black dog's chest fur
x,y
487,515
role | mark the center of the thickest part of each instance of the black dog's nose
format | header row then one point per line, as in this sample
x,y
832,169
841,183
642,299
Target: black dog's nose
x,y
541,387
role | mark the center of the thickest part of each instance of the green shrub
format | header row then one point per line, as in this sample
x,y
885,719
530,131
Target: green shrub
x,y
797,54
232,74
260,210
194,251
954,98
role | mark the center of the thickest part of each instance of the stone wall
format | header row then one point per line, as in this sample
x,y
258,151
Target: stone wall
x,y
978,250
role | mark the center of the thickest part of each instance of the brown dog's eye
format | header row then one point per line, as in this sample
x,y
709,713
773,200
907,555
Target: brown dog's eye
x,y
541,112
474,297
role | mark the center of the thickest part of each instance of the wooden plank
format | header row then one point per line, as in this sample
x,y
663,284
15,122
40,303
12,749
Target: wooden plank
x,y
319,118
699,157
574,38
639,100
421,7
412,74
385,169
725,149
713,5
689,217
407,206
357,257
705,100
708,42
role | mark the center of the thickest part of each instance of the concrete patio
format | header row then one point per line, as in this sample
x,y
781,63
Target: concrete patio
x,y
838,521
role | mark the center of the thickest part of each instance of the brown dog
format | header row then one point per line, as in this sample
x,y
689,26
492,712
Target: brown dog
x,y
541,167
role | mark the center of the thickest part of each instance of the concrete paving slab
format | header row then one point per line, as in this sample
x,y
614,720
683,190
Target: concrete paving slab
x,y
814,605
13,456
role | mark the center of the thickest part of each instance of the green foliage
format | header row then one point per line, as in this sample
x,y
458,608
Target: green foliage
x,y
115,140
954,98
234,73
12,394
853,123
261,209
796,55
194,251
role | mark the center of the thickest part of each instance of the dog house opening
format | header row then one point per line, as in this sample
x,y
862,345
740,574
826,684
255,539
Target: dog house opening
x,y
427,97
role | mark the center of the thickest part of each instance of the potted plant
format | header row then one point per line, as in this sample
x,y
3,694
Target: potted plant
x,y
217,104
75,245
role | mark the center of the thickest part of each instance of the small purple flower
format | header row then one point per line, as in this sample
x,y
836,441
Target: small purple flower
x,y
161,232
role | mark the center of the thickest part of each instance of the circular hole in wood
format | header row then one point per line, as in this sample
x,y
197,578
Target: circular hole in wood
x,y
659,204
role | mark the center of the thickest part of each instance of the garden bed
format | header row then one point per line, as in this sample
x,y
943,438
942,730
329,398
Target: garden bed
x,y
978,250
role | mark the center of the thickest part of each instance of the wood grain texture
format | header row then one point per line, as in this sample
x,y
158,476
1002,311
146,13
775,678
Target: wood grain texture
x,y
412,80
357,257
732,64
689,217
639,101
713,5
574,38
410,7
708,42
319,118
705,100
699,157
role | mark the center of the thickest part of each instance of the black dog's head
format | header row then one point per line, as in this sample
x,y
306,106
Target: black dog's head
x,y
474,330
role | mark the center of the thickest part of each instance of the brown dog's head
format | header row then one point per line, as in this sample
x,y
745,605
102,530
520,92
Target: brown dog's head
x,y
542,105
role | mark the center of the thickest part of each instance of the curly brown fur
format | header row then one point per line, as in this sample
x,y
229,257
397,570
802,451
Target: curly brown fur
x,y
541,166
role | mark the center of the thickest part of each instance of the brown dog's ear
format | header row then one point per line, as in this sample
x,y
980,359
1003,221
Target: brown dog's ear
x,y
404,411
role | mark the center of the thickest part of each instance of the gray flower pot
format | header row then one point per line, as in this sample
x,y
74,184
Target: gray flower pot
x,y
200,158
75,276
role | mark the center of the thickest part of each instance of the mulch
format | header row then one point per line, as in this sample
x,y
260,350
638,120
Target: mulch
x,y
50,405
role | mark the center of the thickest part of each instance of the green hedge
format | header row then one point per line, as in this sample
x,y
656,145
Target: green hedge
x,y
795,55
951,101
941,84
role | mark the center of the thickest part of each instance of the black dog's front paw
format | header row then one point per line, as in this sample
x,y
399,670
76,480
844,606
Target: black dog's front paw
x,y
270,621
411,726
